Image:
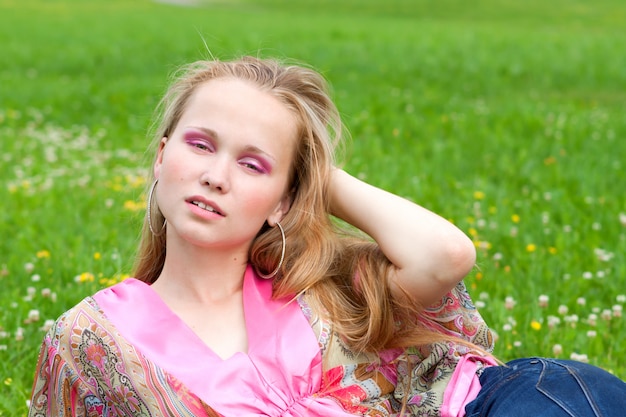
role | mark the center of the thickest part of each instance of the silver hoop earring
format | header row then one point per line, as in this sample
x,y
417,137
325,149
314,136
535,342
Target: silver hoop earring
x,y
282,256
149,211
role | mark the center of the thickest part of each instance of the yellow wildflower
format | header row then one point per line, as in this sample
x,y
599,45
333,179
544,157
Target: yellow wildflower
x,y
85,277
134,206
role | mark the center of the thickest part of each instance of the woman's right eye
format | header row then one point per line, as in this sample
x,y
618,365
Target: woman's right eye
x,y
202,145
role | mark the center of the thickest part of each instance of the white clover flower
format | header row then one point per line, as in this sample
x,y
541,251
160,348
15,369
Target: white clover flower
x,y
479,304
507,327
35,278
591,334
543,300
621,298
517,343
509,303
592,320
33,315
622,219
48,324
617,310
557,350
606,314
603,255
19,334
587,275
580,357
563,309
581,301
29,267
572,320
553,321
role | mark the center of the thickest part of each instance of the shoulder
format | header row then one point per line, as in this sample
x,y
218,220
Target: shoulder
x,y
85,320
83,315
456,315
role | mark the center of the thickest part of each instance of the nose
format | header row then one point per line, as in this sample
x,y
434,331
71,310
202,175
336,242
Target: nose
x,y
216,175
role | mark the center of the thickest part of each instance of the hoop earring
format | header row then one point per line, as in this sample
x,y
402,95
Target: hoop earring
x,y
149,211
282,257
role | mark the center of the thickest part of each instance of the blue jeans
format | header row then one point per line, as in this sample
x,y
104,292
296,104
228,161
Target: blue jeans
x,y
548,388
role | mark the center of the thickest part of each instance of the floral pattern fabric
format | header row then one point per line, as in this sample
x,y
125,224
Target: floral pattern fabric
x,y
88,368
417,378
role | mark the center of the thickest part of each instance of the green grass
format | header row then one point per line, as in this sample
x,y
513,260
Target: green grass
x,y
506,117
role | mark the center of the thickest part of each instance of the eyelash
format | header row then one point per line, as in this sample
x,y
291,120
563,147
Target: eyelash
x,y
203,145
256,167
200,144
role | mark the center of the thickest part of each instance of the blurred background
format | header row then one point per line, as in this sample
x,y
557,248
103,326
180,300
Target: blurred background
x,y
506,117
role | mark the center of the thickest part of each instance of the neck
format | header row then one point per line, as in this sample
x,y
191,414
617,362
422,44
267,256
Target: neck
x,y
201,275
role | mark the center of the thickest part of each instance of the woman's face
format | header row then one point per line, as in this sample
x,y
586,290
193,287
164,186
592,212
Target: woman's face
x,y
224,170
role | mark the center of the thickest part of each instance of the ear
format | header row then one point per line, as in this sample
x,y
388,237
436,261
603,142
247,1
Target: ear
x,y
281,209
159,158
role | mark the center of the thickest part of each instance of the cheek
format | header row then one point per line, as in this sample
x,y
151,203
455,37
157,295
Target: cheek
x,y
261,201
173,169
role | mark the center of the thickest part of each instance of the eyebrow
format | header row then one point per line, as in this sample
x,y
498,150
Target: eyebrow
x,y
247,148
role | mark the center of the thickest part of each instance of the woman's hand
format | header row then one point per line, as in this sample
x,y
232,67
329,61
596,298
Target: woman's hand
x,y
429,253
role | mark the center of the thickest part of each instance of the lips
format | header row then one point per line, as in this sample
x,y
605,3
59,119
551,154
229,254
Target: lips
x,y
206,205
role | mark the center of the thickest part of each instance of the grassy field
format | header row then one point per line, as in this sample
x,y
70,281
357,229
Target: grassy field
x,y
507,117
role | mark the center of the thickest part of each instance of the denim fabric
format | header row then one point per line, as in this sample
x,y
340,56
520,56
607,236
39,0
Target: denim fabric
x,y
548,388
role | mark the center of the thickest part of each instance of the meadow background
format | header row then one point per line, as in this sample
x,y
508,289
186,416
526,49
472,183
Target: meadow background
x,y
507,117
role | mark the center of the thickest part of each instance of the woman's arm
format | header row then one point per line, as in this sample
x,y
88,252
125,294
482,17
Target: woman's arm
x,y
429,253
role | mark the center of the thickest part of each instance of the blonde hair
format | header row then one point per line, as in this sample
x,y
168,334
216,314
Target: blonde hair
x,y
344,272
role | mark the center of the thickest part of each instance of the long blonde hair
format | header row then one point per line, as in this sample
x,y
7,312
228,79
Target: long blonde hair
x,y
345,273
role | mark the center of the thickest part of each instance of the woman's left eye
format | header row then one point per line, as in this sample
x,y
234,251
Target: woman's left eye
x,y
253,165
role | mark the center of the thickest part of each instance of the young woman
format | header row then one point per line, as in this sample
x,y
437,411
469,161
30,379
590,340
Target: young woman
x,y
249,300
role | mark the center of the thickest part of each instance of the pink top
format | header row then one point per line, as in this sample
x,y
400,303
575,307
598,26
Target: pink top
x,y
279,376
464,385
